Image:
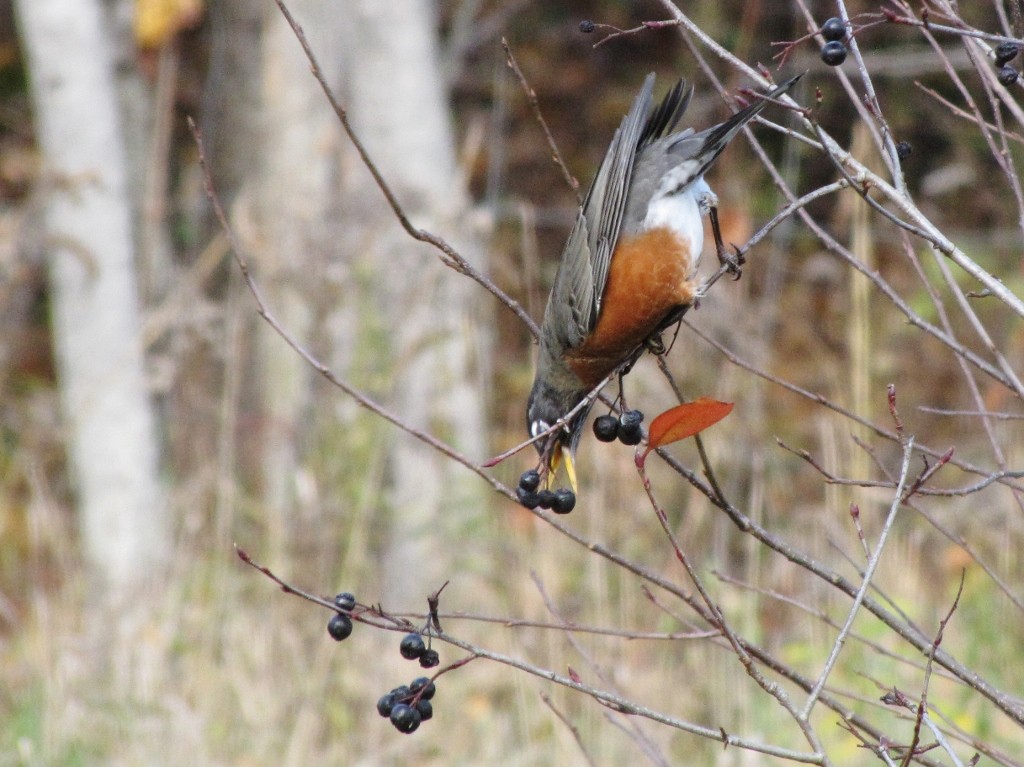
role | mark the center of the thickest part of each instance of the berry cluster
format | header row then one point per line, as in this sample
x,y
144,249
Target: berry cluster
x,y
414,648
560,501
833,52
408,705
340,624
626,428
1005,53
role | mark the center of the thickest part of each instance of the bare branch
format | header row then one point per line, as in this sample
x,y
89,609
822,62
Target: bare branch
x,y
450,257
531,97
858,600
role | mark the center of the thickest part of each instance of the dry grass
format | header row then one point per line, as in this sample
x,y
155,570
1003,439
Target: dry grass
x,y
215,666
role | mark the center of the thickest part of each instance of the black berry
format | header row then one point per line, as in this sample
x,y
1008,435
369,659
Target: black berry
x,y
529,480
401,693
630,432
429,659
631,436
412,646
405,718
425,709
587,26
1005,53
833,29
1007,76
545,499
527,498
422,683
565,501
833,53
345,601
385,703
904,150
630,419
339,627
606,428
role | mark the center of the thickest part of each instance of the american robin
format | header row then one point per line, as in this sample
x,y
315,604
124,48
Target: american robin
x,y
627,270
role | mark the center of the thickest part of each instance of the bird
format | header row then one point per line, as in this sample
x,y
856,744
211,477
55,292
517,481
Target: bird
x,y
628,266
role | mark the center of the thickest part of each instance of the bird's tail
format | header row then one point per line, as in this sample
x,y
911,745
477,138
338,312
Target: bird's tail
x,y
715,139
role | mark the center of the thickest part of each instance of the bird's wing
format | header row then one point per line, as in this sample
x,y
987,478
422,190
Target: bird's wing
x,y
576,296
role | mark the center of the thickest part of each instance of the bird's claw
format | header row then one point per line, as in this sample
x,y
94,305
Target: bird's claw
x,y
732,262
655,345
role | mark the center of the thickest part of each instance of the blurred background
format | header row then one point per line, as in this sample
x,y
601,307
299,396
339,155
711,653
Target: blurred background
x,y
150,419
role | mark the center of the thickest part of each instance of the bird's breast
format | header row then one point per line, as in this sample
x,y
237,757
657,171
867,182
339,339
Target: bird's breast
x,y
649,280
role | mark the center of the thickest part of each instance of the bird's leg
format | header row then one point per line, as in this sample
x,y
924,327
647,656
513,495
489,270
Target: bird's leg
x,y
622,382
655,345
620,401
675,335
731,261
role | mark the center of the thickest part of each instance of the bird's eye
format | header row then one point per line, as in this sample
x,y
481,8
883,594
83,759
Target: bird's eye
x,y
538,427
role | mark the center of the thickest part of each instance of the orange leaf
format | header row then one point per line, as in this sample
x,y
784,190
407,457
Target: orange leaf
x,y
685,420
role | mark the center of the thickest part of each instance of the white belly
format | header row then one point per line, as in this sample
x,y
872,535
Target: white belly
x,y
682,213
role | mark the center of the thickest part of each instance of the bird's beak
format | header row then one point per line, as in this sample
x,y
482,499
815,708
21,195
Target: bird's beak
x,y
559,456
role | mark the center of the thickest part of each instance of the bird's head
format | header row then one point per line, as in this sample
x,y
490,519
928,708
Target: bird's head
x,y
546,406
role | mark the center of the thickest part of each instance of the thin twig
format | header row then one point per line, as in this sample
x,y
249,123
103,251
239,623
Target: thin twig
x,y
971,413
531,97
717,618
631,727
845,412
671,636
644,26
876,556
557,425
922,706
381,619
1006,703
264,312
959,31
958,112
573,729
450,257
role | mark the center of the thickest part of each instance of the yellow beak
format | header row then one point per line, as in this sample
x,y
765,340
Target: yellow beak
x,y
558,457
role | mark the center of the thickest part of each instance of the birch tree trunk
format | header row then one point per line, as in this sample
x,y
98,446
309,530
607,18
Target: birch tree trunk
x,y
400,109
112,442
296,197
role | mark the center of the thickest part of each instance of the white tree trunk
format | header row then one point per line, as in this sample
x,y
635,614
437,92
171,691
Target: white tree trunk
x,y
400,109
112,444
296,196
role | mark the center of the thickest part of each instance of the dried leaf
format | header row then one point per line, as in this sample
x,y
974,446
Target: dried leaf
x,y
157,21
685,420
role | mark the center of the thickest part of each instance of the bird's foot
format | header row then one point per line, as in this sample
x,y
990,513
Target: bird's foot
x,y
732,262
655,345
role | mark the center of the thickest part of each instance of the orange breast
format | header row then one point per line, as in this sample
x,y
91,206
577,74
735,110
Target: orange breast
x,y
649,279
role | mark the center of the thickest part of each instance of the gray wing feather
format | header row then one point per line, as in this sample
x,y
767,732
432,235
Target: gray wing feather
x,y
607,195
575,301
583,270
